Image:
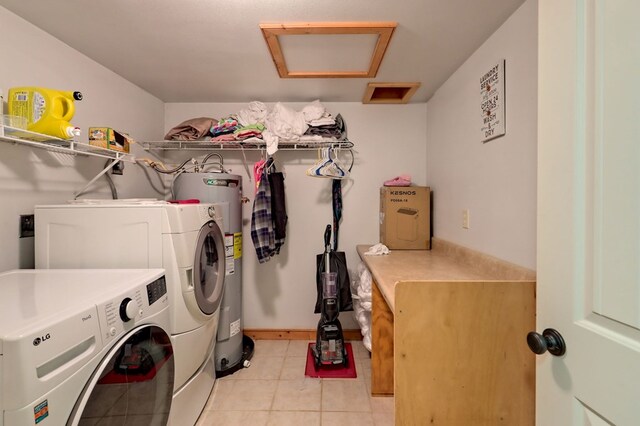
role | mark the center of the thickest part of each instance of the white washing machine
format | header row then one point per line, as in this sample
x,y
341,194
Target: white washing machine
x,y
85,347
185,239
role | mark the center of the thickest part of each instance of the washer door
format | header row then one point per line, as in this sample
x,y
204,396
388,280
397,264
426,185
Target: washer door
x,y
133,385
209,268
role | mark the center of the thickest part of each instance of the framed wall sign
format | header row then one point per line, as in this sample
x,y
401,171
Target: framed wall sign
x,y
492,102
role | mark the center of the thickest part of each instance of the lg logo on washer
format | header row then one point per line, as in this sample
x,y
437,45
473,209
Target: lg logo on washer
x,y
39,340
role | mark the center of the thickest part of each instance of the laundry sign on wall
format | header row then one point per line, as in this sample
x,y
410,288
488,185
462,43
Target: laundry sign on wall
x,y
492,102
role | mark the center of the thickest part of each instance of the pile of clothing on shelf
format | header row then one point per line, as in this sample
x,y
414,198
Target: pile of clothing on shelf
x,y
256,123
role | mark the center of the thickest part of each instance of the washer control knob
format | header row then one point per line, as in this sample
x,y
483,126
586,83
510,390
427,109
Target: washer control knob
x,y
211,211
112,331
128,310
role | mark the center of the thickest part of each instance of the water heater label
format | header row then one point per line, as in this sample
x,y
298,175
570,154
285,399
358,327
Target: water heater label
x,y
230,266
234,328
228,245
237,245
228,254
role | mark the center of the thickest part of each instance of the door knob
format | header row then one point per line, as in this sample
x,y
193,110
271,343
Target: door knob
x,y
550,340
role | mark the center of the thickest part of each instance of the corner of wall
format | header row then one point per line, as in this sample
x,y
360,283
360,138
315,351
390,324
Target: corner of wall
x,y
494,181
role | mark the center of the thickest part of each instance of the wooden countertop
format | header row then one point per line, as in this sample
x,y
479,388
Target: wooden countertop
x,y
444,262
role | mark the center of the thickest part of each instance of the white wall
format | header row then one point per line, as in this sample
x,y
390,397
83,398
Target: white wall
x,y
496,181
31,57
389,140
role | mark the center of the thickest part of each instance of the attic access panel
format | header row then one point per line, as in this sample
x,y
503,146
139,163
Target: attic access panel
x,y
382,30
389,93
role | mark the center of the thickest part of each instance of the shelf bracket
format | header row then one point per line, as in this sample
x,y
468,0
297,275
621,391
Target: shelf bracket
x,y
98,176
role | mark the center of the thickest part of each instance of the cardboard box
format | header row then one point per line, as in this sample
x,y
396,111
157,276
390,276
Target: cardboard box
x,y
405,217
106,137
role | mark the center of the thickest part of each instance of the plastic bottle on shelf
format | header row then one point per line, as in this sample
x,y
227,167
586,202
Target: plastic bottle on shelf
x,y
48,111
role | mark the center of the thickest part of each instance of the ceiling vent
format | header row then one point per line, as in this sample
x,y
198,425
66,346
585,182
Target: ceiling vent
x,y
363,43
389,93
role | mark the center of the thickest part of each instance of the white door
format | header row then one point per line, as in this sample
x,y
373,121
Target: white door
x,y
589,211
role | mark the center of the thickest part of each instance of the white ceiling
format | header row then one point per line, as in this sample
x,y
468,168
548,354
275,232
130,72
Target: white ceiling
x,y
213,51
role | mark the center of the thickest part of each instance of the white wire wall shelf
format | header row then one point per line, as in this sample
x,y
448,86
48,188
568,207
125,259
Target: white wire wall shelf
x,y
242,145
64,146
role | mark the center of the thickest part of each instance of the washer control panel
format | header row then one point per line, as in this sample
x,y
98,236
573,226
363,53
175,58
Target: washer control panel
x,y
123,312
129,310
156,290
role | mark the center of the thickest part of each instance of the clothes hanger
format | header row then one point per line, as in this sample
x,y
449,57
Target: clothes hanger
x,y
312,171
269,165
326,166
319,172
332,169
340,170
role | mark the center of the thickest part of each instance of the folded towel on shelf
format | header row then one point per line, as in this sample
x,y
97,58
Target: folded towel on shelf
x,y
251,130
256,113
315,114
283,123
228,137
313,111
315,138
224,126
322,121
192,129
337,130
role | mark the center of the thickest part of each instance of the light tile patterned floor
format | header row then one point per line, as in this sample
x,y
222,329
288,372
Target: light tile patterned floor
x,y
274,391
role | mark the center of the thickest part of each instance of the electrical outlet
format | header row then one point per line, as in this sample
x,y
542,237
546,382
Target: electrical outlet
x,y
27,225
117,168
465,218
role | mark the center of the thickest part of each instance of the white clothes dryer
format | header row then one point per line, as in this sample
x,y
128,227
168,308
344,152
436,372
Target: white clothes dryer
x,y
85,347
185,239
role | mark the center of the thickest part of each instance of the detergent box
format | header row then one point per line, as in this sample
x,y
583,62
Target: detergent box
x,y
405,217
106,137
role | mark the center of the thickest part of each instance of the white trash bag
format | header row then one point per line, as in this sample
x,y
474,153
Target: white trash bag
x,y
361,295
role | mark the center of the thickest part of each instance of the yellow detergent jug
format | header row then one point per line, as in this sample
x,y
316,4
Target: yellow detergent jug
x,y
48,111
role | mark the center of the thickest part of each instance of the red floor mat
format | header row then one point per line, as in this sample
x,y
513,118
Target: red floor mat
x,y
331,371
113,377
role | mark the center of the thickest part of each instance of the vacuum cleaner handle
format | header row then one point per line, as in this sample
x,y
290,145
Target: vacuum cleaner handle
x,y
327,237
327,248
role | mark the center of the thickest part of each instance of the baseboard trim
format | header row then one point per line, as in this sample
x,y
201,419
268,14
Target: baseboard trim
x,y
295,334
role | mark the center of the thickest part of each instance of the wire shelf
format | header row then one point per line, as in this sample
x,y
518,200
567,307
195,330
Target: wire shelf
x,y
242,145
54,144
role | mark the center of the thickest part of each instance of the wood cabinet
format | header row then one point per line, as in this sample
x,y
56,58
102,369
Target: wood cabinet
x,y
449,333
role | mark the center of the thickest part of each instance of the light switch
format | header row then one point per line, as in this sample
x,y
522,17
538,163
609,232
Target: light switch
x,y
465,218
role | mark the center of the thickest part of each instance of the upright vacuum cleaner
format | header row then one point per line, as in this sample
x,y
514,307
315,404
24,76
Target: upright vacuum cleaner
x,y
329,348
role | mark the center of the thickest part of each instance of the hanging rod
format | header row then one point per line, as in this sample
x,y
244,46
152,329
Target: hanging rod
x,y
238,145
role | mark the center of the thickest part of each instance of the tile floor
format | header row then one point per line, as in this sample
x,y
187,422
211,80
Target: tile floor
x,y
275,391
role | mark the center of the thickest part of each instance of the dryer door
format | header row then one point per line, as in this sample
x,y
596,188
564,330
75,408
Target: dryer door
x,y
209,268
133,385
